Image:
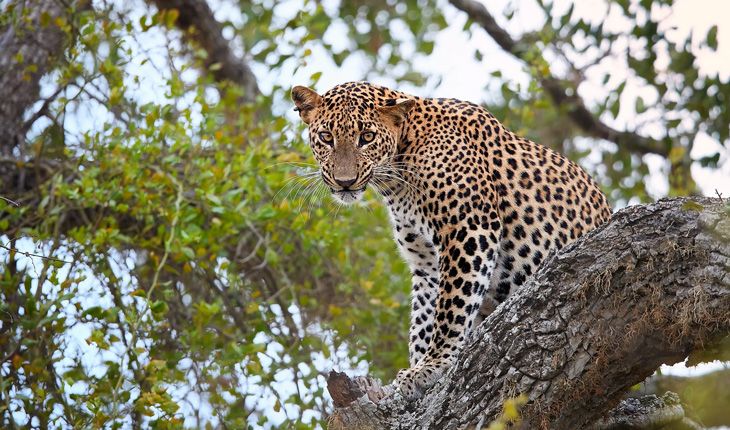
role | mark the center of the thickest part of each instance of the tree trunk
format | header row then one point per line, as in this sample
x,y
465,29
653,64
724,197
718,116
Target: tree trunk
x,y
30,43
645,289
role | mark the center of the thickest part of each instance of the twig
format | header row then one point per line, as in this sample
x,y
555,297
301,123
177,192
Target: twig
x,y
30,254
12,202
43,109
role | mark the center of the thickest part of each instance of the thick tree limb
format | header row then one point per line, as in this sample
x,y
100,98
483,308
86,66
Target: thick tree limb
x,y
577,111
208,34
647,288
648,412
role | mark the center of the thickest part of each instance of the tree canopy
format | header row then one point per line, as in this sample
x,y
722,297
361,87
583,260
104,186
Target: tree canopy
x,y
168,257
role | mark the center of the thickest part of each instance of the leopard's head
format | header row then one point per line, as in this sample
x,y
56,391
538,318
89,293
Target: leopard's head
x,y
353,129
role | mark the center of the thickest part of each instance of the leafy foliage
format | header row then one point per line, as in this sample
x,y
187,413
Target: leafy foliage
x,y
195,271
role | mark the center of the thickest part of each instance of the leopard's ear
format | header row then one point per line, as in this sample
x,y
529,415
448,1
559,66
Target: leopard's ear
x,y
396,110
306,101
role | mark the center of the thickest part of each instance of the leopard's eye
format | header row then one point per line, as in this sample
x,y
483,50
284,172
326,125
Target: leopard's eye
x,y
366,138
326,137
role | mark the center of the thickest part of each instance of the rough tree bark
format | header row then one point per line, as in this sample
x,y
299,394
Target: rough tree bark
x,y
30,42
647,288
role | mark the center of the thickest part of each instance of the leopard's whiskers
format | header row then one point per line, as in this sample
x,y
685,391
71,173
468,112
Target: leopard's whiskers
x,y
306,194
299,187
316,196
289,184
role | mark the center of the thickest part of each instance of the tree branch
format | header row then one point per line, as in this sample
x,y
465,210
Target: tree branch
x,y
577,110
208,34
645,289
648,412
705,397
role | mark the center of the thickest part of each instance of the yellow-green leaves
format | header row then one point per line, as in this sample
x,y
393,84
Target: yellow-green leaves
x,y
510,413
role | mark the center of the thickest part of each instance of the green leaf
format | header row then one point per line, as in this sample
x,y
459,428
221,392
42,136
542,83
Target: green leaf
x,y
159,308
95,312
188,252
710,160
427,47
171,16
615,107
566,18
712,38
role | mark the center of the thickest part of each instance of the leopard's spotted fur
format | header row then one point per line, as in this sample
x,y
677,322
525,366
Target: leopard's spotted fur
x,y
475,209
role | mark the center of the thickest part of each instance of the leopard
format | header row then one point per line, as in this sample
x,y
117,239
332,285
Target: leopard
x,y
475,209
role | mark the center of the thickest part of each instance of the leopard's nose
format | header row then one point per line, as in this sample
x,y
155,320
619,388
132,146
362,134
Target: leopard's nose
x,y
345,183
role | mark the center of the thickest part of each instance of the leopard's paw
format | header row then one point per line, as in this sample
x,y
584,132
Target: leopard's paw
x,y
407,385
413,383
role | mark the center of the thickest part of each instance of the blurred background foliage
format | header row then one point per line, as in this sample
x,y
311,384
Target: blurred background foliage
x,y
169,258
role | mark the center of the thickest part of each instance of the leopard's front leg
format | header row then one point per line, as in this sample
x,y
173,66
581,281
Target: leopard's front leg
x,y
423,303
467,256
421,256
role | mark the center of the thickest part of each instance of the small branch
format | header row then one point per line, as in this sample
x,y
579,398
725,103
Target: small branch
x,y
719,194
12,202
43,111
208,33
31,255
344,390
